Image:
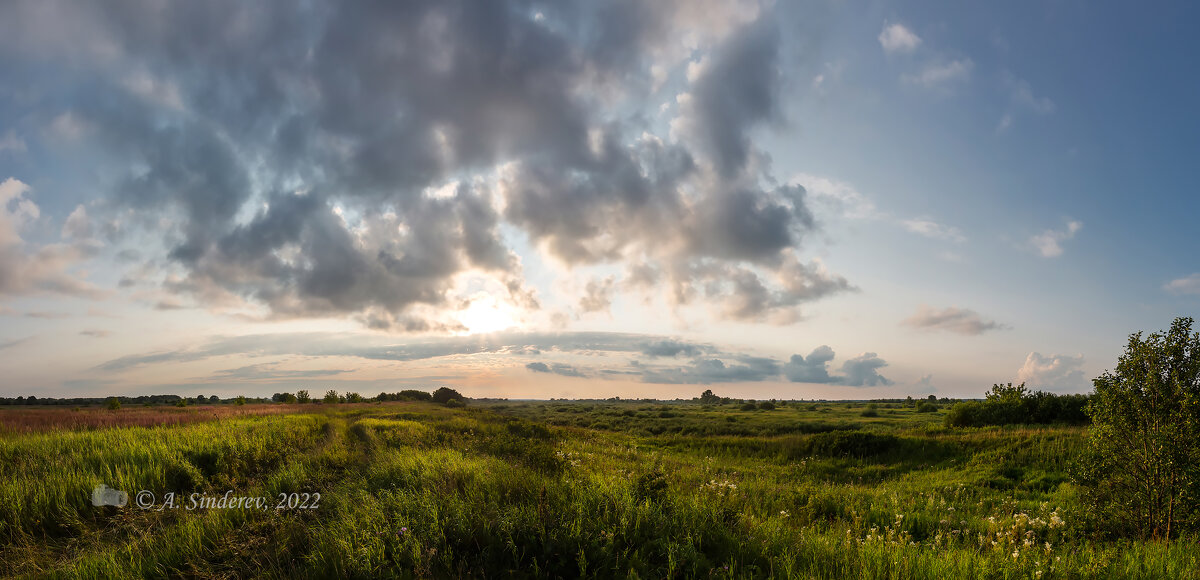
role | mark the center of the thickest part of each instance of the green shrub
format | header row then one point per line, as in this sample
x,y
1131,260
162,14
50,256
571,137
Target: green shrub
x,y
927,407
749,406
849,444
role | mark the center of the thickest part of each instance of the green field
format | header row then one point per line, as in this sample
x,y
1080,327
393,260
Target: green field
x,y
566,489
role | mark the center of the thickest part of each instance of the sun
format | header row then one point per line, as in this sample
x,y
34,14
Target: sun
x,y
486,314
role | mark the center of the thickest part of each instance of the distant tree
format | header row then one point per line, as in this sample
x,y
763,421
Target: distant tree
x,y
927,407
708,398
302,397
933,398
181,402
748,406
766,406
113,403
1141,471
214,399
445,394
240,400
331,397
353,398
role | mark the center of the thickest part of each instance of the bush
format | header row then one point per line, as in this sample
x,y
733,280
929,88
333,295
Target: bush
x,y
1009,405
927,407
114,403
869,413
749,406
455,404
766,406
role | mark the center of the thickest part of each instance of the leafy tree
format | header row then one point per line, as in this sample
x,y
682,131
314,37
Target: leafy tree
x,y
114,403
444,394
1141,472
240,400
302,397
331,397
353,398
708,398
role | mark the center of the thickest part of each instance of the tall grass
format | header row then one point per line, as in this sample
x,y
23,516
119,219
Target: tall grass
x,y
418,490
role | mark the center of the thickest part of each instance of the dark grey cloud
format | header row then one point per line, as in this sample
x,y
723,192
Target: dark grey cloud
x,y
713,370
860,371
813,369
288,155
555,368
738,90
673,348
952,319
863,371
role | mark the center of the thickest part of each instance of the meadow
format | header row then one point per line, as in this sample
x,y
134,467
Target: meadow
x,y
558,489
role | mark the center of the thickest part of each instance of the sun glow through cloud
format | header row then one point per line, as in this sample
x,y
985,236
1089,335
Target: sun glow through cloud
x,y
487,314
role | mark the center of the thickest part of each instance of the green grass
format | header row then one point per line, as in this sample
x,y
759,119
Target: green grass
x,y
564,489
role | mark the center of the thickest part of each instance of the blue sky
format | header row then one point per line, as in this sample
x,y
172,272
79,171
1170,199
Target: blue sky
x,y
525,199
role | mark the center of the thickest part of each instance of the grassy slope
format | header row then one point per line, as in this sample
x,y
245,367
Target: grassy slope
x,y
567,489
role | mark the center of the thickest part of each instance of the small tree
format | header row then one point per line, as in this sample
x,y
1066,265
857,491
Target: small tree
x,y
1141,473
240,400
331,397
114,403
444,394
302,397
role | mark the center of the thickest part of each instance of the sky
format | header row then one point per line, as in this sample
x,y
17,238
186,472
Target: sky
x,y
811,199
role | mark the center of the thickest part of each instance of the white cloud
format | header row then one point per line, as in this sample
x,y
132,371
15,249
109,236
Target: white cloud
x,y
1022,95
837,196
939,75
10,141
1054,371
932,229
896,38
44,269
1185,285
1049,242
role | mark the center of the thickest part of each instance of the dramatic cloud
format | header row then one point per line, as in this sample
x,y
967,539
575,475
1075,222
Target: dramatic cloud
x,y
1185,285
896,38
1049,242
363,160
951,319
1053,372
